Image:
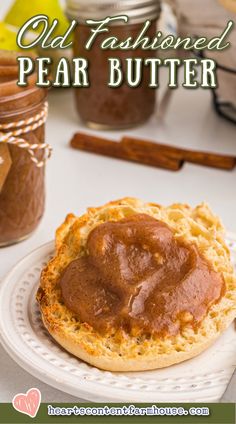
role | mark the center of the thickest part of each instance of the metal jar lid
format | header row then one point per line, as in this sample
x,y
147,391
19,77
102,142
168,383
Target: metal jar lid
x,y
137,10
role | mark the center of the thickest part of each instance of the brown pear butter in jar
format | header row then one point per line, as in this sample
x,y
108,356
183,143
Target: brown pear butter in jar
x,y
101,106
22,191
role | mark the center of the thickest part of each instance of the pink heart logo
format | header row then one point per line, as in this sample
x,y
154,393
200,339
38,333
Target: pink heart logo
x,y
28,403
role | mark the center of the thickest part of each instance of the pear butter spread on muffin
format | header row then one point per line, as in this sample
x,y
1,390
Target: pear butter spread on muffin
x,y
136,286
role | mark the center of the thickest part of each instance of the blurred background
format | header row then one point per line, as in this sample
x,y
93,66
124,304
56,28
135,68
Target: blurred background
x,y
179,17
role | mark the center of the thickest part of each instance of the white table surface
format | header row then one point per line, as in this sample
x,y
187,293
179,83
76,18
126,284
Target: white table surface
x,y
76,180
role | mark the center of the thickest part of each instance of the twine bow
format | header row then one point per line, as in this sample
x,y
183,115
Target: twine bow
x,y
10,133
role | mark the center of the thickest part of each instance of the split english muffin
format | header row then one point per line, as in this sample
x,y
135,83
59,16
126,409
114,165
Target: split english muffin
x,y
136,286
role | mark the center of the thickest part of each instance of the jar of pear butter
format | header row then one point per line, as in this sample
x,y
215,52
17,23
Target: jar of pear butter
x,y
99,105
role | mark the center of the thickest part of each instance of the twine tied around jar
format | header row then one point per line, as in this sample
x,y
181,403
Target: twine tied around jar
x,y
23,127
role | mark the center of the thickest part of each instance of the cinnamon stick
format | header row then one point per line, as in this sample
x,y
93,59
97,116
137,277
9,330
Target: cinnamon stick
x,y
197,157
101,146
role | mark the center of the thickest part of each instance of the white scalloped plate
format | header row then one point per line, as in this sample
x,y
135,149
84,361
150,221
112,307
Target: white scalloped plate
x,y
202,379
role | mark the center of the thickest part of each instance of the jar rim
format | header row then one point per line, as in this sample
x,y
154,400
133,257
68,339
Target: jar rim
x,y
21,96
137,10
10,88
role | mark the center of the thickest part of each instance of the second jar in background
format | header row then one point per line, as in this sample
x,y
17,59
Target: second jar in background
x,y
100,106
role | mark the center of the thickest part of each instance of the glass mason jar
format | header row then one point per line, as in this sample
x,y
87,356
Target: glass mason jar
x,y
22,192
100,106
